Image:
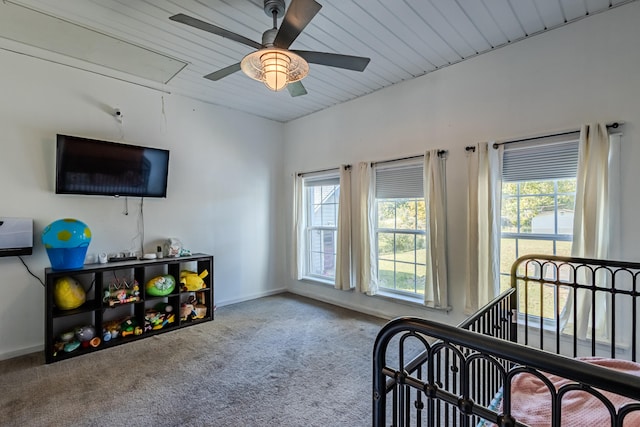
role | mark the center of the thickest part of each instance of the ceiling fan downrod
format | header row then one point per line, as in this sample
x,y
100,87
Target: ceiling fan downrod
x,y
274,8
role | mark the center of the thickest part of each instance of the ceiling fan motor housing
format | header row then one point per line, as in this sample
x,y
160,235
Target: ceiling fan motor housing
x,y
269,36
274,6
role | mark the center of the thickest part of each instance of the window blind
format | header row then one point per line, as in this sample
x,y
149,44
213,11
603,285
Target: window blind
x,y
542,159
403,182
316,181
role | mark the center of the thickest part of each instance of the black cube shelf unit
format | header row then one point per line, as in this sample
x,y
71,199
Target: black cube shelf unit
x,y
100,309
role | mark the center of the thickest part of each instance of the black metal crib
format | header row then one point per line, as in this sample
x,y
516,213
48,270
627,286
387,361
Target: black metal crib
x,y
431,374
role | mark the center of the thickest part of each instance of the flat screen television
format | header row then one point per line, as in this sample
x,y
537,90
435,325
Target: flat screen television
x,y
104,168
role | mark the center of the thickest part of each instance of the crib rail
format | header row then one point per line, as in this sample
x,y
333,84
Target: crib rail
x,y
494,319
577,306
472,349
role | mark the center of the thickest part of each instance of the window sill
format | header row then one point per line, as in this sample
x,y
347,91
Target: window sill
x,y
409,300
389,296
317,281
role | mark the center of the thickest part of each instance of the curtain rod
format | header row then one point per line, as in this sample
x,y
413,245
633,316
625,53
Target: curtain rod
x,y
440,153
323,170
613,125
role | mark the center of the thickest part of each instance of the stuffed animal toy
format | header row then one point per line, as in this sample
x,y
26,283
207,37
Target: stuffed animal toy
x,y
192,281
161,285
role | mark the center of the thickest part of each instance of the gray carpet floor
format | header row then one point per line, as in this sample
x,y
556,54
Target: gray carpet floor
x,y
282,360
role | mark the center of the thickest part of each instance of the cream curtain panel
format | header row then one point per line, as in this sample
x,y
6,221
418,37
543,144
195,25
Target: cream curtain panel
x,y
298,234
592,224
435,294
343,250
367,273
484,174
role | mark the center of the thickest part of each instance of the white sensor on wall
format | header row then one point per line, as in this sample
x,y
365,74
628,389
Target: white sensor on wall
x,y
118,114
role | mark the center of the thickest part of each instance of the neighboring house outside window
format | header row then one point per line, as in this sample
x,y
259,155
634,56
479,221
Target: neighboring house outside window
x,y
538,198
321,197
400,229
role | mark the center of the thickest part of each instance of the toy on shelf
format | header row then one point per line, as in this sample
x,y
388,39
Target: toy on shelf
x,y
200,306
186,310
121,291
86,335
193,308
158,317
201,311
66,342
130,327
161,286
111,330
68,293
192,281
70,346
173,247
82,336
66,242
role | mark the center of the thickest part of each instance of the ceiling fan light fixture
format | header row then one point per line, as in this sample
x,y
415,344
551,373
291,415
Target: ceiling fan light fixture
x,y
276,68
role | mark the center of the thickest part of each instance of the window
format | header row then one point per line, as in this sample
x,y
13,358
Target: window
x,y
321,200
538,198
400,228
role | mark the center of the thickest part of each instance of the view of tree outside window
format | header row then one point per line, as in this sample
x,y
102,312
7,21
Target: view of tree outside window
x,y
401,245
537,218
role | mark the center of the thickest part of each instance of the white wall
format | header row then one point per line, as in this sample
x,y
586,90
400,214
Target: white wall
x,y
556,81
224,171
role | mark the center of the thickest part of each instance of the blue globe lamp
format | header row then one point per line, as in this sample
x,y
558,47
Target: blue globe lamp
x,y
66,241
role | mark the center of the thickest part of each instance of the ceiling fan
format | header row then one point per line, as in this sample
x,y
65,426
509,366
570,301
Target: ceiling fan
x,y
273,63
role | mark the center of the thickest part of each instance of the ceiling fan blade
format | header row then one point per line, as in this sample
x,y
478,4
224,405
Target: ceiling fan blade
x,y
299,14
217,75
296,89
348,62
210,28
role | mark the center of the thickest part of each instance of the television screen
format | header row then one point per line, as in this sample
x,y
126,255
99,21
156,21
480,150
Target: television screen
x,y
88,166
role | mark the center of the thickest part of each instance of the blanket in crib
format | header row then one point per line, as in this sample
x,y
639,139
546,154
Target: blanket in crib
x,y
531,401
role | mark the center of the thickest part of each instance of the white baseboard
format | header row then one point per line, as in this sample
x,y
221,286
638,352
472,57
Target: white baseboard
x,y
343,304
222,303
21,352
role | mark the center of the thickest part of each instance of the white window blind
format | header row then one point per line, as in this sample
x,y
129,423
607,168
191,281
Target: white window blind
x,y
547,158
401,182
322,181
316,180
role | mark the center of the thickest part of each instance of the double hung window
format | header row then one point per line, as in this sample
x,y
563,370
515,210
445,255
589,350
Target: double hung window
x,y
321,195
400,228
538,198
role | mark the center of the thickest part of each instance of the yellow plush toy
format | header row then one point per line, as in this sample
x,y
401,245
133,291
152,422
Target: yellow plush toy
x,y
192,281
68,293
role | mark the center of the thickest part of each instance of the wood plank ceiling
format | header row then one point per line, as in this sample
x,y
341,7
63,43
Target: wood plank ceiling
x,y
404,39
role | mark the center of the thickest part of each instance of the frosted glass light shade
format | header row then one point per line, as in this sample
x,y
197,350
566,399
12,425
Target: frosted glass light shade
x,y
276,68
